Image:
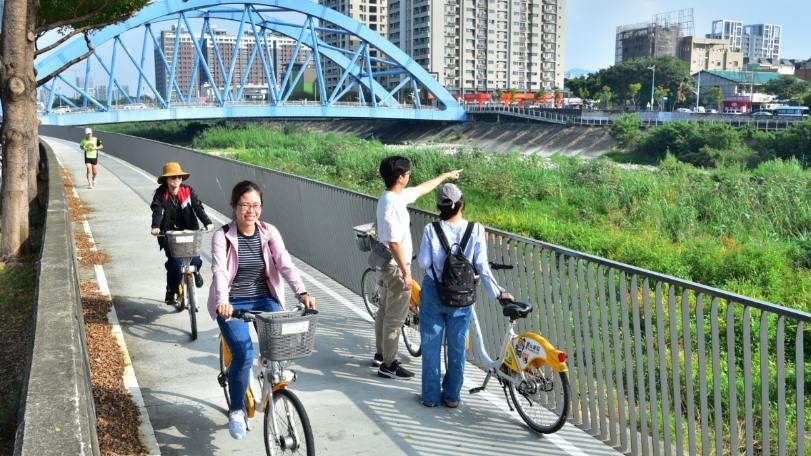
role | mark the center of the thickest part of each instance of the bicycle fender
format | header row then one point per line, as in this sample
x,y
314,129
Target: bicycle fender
x,y
537,351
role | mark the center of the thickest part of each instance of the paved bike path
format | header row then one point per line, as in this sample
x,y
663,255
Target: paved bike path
x,y
353,412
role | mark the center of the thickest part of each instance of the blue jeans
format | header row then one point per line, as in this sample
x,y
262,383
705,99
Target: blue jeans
x,y
238,337
172,265
436,319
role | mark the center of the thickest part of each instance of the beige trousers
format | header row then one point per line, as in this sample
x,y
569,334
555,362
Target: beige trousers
x,y
392,312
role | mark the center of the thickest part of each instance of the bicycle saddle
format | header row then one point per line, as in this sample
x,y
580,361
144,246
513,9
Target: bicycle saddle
x,y
515,309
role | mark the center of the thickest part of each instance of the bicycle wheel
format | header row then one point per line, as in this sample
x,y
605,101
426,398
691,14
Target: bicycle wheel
x,y
542,399
411,333
370,292
295,434
222,377
190,298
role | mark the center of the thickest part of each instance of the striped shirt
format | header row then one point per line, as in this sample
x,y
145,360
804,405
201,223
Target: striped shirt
x,y
250,281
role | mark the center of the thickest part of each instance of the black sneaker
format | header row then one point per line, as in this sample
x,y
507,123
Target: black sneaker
x,y
377,360
395,370
170,299
198,279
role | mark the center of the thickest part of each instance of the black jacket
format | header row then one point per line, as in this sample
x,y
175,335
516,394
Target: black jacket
x,y
189,206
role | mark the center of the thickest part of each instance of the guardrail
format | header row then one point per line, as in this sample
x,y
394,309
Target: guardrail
x,y
601,121
57,412
659,365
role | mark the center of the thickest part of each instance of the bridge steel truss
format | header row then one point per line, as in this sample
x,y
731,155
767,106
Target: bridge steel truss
x,y
380,79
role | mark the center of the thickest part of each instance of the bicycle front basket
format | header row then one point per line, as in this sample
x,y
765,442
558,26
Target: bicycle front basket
x,y
184,244
286,335
364,236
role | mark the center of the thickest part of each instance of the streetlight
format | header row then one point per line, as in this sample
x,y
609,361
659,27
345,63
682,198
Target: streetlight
x,y
652,84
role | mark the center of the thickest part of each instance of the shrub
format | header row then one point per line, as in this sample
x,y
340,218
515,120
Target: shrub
x,y
626,130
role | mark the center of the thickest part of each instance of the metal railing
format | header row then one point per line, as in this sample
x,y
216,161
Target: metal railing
x,y
565,119
658,365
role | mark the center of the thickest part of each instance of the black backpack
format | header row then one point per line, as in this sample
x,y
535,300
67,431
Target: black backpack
x,y
457,288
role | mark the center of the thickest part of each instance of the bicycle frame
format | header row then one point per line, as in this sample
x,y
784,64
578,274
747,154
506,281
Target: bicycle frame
x,y
543,353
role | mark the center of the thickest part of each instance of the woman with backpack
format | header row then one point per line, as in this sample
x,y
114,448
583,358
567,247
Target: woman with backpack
x,y
452,252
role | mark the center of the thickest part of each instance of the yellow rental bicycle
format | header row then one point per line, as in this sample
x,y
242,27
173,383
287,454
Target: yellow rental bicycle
x,y
529,367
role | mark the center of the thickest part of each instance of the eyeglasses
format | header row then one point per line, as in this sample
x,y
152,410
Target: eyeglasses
x,y
246,206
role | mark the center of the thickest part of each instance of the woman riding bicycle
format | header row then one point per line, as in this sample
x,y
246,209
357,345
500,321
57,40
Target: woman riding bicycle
x,y
175,206
437,317
249,262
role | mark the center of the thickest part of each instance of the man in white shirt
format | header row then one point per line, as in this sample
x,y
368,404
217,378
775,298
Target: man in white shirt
x,y
394,230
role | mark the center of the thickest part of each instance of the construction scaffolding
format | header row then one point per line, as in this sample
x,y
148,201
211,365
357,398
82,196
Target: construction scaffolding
x,y
660,36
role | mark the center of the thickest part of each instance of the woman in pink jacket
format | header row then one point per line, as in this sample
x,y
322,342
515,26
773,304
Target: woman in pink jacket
x,y
249,262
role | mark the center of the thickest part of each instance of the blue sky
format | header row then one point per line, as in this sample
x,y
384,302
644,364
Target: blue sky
x,y
591,24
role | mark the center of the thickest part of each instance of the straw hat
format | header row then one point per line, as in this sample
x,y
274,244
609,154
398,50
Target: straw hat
x,y
172,169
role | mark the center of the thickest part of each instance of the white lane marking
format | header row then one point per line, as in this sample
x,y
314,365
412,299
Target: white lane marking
x,y
361,312
89,234
102,281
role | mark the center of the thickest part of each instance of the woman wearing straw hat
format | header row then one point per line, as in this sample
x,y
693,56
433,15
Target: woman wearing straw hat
x,y
175,206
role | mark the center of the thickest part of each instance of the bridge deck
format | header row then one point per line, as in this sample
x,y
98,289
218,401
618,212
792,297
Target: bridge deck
x,y
351,409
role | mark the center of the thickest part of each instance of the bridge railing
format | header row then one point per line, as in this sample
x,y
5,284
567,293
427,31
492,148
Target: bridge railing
x,y
607,120
658,364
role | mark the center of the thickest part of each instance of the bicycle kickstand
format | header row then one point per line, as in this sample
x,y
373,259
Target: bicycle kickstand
x,y
479,389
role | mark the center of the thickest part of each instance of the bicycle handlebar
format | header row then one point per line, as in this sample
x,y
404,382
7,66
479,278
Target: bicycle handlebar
x,y
250,315
496,266
163,233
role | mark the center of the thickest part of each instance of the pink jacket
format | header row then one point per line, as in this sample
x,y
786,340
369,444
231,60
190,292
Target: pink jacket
x,y
224,263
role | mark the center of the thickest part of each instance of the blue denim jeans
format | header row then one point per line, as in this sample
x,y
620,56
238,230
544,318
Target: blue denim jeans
x,y
238,337
172,265
436,319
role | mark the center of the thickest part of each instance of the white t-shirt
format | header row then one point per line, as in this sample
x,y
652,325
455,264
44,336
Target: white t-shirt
x,y
393,221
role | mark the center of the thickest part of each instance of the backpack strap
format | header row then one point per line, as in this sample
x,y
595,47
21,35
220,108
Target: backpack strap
x,y
442,239
466,236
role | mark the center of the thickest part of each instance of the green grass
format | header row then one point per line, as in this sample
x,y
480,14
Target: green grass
x,y
17,283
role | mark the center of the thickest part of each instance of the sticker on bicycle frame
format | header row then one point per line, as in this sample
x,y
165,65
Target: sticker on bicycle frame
x,y
183,239
526,349
295,328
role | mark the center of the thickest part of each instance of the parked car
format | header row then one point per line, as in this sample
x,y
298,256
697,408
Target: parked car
x,y
685,110
761,114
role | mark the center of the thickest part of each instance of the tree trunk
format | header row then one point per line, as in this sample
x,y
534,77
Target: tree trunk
x,y
18,87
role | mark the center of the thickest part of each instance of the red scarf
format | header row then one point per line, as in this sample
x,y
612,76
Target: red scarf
x,y
183,196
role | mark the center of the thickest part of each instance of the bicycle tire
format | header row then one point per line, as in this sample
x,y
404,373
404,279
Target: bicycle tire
x,y
532,409
191,303
411,333
222,377
370,292
293,423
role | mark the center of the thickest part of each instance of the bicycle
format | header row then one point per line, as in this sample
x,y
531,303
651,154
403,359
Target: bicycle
x,y
184,246
410,330
527,366
283,336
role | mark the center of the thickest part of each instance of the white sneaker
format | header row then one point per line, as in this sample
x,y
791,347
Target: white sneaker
x,y
236,424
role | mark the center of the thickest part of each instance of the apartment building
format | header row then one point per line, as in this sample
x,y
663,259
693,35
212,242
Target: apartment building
x,y
762,41
710,54
483,45
729,30
195,82
756,41
371,13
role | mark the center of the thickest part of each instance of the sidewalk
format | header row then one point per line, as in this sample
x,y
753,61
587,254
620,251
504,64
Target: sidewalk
x,y
351,409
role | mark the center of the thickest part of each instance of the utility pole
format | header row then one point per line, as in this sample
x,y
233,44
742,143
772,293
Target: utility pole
x,y
698,90
652,84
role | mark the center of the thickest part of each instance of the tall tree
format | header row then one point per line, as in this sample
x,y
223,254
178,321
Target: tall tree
x,y
787,88
24,21
634,89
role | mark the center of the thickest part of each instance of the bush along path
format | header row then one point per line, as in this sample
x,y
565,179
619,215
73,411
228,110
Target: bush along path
x,y
117,416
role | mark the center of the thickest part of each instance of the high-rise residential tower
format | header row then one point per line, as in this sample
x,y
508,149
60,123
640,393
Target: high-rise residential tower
x,y
483,45
756,41
278,48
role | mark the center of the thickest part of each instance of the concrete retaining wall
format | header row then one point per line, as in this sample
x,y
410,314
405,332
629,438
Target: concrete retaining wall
x,y
57,412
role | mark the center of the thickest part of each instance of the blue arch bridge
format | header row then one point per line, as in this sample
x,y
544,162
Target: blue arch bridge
x,y
366,76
